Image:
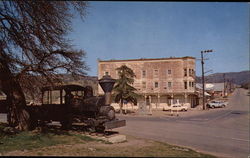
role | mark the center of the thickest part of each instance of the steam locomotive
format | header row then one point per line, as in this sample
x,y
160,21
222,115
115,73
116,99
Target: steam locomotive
x,y
72,104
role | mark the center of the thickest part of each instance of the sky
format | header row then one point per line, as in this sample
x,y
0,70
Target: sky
x,y
133,30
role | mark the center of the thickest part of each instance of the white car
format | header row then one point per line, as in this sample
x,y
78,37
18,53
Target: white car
x,y
216,104
175,107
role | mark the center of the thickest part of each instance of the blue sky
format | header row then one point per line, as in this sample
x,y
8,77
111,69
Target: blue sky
x,y
131,30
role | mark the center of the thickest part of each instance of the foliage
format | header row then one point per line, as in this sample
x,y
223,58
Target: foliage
x,y
123,89
33,38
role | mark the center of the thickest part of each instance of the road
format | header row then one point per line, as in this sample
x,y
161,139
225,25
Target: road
x,y
223,132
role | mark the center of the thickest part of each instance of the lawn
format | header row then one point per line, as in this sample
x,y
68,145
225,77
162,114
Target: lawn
x,y
54,142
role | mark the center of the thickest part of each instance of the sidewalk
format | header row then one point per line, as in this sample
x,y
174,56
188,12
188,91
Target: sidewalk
x,y
160,113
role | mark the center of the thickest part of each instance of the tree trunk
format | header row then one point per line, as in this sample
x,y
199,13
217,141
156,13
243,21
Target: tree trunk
x,y
121,105
17,113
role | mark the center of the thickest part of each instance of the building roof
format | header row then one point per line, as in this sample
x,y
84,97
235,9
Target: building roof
x,y
148,59
211,86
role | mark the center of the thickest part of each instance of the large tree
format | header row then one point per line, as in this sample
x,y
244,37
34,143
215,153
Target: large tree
x,y
123,89
33,42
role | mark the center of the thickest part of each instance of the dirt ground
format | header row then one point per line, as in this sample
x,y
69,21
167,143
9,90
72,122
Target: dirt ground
x,y
83,149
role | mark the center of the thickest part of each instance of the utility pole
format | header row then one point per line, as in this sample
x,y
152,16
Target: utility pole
x,y
203,85
224,79
203,80
230,85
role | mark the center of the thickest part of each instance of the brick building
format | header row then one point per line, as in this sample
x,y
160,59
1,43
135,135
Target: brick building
x,y
160,80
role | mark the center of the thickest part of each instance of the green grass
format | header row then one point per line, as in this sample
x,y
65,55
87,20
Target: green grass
x,y
30,140
27,141
83,137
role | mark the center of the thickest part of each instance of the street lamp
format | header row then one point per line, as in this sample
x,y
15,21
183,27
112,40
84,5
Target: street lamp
x,y
107,83
203,84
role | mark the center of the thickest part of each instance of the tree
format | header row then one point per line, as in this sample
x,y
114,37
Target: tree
x,y
33,43
123,91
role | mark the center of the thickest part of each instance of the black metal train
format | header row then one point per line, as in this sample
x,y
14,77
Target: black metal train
x,y
74,104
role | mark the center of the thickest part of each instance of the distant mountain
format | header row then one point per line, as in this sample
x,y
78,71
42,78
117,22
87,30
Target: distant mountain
x,y
238,78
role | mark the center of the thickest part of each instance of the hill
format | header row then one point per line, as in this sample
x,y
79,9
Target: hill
x,y
238,78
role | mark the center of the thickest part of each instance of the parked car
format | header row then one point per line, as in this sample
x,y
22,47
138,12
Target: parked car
x,y
175,107
216,104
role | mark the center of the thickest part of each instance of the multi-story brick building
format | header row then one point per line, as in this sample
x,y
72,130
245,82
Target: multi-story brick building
x,y
161,80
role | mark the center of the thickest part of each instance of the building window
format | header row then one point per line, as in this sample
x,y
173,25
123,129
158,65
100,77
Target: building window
x,y
191,72
143,73
143,84
169,84
106,73
190,84
156,73
156,84
185,84
185,72
169,72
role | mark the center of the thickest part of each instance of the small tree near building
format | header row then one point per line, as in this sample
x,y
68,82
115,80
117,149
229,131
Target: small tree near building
x,y
123,89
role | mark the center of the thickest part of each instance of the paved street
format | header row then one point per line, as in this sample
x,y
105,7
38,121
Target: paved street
x,y
223,132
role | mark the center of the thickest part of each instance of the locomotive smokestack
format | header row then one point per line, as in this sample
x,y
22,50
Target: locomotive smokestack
x,y
107,83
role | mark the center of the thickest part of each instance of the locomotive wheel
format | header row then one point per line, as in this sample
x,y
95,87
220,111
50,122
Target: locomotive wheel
x,y
67,123
91,126
91,129
33,123
100,129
